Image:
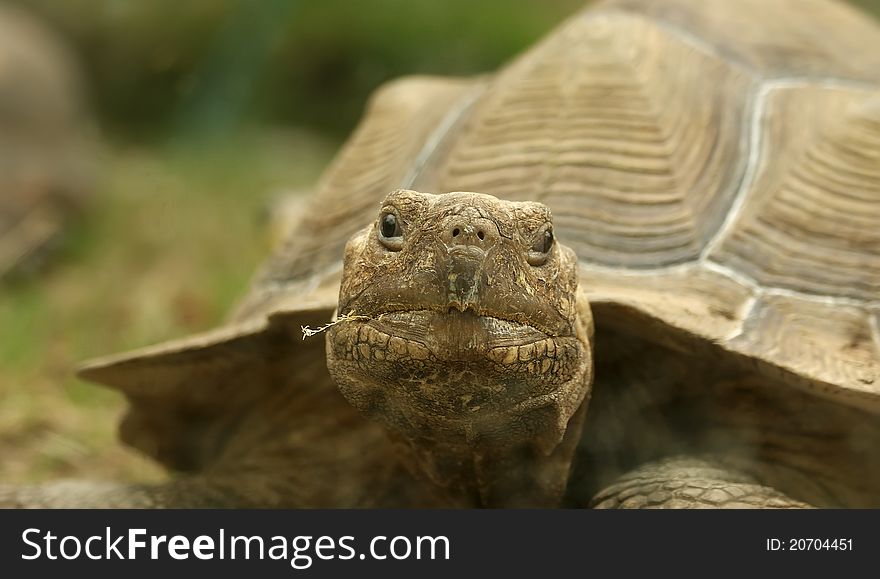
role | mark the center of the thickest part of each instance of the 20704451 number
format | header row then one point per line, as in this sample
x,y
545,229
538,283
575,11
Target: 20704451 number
x,y
820,544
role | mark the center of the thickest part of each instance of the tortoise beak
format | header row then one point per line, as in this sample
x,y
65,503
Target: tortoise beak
x,y
464,278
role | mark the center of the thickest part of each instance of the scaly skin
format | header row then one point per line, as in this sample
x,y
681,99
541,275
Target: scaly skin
x,y
690,483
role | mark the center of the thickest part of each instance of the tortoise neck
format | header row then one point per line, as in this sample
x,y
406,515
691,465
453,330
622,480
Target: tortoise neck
x,y
491,473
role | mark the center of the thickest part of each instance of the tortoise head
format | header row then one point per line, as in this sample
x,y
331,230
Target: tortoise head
x,y
462,331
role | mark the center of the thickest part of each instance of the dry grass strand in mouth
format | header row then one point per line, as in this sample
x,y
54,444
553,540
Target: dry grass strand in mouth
x,y
308,332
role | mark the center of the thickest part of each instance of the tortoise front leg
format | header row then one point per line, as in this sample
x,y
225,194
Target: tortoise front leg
x,y
684,482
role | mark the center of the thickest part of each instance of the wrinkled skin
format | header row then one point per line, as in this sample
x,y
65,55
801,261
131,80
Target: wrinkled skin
x,y
462,331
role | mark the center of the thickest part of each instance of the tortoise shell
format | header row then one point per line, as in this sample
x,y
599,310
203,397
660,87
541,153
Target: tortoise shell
x,y
715,165
717,174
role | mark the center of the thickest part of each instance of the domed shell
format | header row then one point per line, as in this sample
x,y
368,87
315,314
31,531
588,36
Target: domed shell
x,y
717,173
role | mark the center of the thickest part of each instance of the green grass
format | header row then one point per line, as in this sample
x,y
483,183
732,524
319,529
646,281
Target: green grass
x,y
170,242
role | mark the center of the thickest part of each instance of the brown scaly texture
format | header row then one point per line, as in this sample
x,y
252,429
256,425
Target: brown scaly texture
x,y
688,482
713,166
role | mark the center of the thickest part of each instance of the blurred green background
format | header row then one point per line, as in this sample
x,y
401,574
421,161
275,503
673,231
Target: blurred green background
x,y
207,110
163,66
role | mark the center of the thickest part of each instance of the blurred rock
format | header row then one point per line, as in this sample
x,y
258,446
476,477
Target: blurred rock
x,y
47,144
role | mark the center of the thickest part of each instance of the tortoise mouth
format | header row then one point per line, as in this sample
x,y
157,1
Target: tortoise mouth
x,y
456,335
519,324
454,365
455,340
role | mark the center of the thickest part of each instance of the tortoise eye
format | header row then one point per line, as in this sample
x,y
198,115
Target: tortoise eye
x,y
390,233
540,251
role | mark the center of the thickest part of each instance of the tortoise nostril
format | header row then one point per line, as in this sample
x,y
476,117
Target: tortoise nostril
x,y
469,231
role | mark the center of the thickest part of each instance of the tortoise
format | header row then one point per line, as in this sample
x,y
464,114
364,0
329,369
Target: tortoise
x,y
637,267
45,135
